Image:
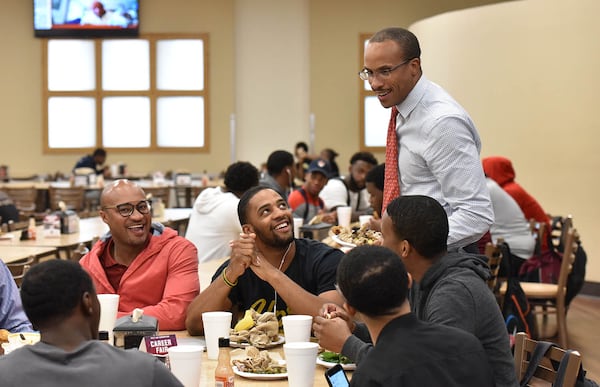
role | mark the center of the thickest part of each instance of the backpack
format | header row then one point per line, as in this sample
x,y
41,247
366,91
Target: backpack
x,y
577,276
536,357
516,309
545,267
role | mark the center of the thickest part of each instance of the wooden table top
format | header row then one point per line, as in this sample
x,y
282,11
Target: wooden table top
x,y
207,375
10,254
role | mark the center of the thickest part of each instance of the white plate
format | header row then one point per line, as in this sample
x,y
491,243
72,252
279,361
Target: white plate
x,y
250,375
327,364
340,242
272,344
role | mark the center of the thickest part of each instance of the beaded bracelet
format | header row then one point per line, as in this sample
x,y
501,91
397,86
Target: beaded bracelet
x,y
229,283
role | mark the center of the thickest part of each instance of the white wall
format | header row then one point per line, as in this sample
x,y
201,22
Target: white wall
x,y
528,72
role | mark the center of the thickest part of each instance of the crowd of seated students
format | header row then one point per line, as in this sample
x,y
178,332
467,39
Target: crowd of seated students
x,y
441,211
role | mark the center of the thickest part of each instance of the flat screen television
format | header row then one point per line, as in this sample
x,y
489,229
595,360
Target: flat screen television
x,y
85,18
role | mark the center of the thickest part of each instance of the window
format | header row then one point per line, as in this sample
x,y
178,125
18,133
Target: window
x,y
373,117
148,93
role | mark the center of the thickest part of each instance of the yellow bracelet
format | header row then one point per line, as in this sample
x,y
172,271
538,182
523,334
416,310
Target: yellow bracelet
x,y
227,282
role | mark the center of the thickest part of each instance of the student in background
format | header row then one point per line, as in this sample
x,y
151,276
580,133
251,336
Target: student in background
x,y
305,201
374,183
214,221
280,173
330,155
351,190
94,161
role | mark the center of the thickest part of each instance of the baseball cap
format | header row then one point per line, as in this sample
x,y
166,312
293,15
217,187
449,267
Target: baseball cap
x,y
321,166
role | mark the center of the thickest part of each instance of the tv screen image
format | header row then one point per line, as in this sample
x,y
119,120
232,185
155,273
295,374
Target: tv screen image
x,y
85,18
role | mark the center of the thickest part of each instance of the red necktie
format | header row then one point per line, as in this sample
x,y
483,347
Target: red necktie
x,y
391,187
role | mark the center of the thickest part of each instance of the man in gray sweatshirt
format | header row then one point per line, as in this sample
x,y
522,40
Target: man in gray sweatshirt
x,y
448,288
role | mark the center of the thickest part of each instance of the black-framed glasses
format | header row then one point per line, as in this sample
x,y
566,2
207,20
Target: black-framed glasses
x,y
366,74
126,209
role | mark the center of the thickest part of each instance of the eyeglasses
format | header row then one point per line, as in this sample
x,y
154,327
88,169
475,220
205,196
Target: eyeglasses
x,y
126,209
366,74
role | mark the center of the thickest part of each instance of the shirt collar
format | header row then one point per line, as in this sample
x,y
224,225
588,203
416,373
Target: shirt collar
x,y
413,98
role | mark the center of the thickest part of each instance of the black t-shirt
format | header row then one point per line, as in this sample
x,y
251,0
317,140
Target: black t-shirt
x,y
314,268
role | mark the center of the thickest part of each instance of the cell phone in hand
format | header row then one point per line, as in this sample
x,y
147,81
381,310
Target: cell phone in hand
x,y
336,377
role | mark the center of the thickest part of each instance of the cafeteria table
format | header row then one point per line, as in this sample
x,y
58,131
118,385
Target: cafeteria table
x,y
207,374
10,254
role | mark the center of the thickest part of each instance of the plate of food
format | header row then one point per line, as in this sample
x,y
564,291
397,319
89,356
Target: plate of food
x,y
256,329
245,344
329,359
354,236
252,363
17,340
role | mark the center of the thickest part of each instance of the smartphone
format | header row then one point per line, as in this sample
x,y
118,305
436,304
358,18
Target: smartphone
x,y
336,377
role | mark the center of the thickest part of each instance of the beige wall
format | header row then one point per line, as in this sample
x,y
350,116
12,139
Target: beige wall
x,y
527,72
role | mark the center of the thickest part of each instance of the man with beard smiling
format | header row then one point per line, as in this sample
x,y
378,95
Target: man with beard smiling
x,y
269,270
351,190
432,146
147,264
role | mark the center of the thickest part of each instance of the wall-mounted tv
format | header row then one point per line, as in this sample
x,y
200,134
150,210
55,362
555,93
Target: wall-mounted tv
x,y
85,18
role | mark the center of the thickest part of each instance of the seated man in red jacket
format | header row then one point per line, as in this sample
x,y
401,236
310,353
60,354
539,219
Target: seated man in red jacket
x,y
147,264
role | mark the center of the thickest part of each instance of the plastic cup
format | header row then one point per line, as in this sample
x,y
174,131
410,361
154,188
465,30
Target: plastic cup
x,y
185,362
298,222
301,359
216,324
344,215
364,219
109,306
296,328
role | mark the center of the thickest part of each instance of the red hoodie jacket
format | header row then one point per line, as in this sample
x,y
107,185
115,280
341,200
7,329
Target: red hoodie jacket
x,y
162,280
500,169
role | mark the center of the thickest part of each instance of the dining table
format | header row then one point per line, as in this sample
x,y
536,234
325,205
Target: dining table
x,y
9,254
207,373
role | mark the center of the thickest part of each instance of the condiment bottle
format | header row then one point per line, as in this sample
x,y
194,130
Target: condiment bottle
x,y
224,376
31,229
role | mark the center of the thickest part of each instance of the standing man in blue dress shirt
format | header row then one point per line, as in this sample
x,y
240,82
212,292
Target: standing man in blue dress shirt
x,y
436,145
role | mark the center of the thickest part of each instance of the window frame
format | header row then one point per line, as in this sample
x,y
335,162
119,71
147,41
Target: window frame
x,y
153,94
362,94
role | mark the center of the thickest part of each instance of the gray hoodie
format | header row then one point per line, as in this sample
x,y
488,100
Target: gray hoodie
x,y
454,292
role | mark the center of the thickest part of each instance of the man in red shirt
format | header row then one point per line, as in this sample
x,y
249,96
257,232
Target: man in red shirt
x,y
305,201
147,264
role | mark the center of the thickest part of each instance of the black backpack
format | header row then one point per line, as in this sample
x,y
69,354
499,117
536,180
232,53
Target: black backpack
x,y
516,309
577,276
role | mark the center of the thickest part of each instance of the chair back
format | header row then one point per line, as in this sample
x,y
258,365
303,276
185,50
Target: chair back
x,y
24,199
73,197
164,193
19,268
545,371
572,237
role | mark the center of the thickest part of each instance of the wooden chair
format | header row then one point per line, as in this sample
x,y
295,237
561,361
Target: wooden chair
x,y
24,199
549,299
73,197
164,193
545,372
19,268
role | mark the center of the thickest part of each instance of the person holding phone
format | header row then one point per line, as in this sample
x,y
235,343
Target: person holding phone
x,y
407,351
